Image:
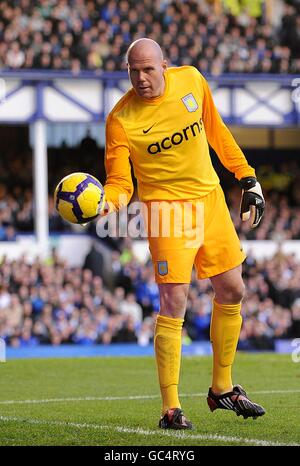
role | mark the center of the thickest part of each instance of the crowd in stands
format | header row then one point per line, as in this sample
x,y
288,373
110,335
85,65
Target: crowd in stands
x,y
94,35
16,196
281,220
52,303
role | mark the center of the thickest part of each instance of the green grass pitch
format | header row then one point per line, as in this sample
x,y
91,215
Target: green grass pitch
x,y
115,401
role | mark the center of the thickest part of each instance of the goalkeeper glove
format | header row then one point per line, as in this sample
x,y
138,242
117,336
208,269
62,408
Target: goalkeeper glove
x,y
252,201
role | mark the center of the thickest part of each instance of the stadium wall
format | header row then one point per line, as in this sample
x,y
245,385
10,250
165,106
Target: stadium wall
x,y
202,348
66,244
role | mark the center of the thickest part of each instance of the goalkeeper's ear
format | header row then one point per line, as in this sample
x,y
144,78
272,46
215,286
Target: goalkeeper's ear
x,y
252,201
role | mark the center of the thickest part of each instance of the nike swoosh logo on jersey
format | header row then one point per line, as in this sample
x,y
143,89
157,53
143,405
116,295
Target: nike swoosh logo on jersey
x,y
145,131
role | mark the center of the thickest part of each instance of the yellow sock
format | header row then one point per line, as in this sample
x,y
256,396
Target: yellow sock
x,y
167,345
225,329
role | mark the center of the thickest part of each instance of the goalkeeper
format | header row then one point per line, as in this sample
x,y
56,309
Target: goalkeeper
x,y
164,125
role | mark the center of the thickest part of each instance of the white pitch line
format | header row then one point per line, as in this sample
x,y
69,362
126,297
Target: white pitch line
x,y
86,398
145,432
125,398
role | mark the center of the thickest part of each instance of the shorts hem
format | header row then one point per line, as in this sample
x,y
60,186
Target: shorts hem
x,y
219,270
170,280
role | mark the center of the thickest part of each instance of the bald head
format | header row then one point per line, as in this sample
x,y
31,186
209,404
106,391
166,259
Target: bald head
x,y
142,48
146,67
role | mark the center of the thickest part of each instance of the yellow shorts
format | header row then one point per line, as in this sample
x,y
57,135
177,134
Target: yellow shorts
x,y
197,232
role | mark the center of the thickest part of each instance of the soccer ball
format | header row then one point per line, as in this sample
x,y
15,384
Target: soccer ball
x,y
79,198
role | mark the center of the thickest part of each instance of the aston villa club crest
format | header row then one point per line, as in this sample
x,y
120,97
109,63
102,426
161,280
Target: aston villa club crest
x,y
162,267
190,102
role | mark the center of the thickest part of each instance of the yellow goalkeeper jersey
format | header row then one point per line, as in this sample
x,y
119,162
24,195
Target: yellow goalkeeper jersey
x,y
166,138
